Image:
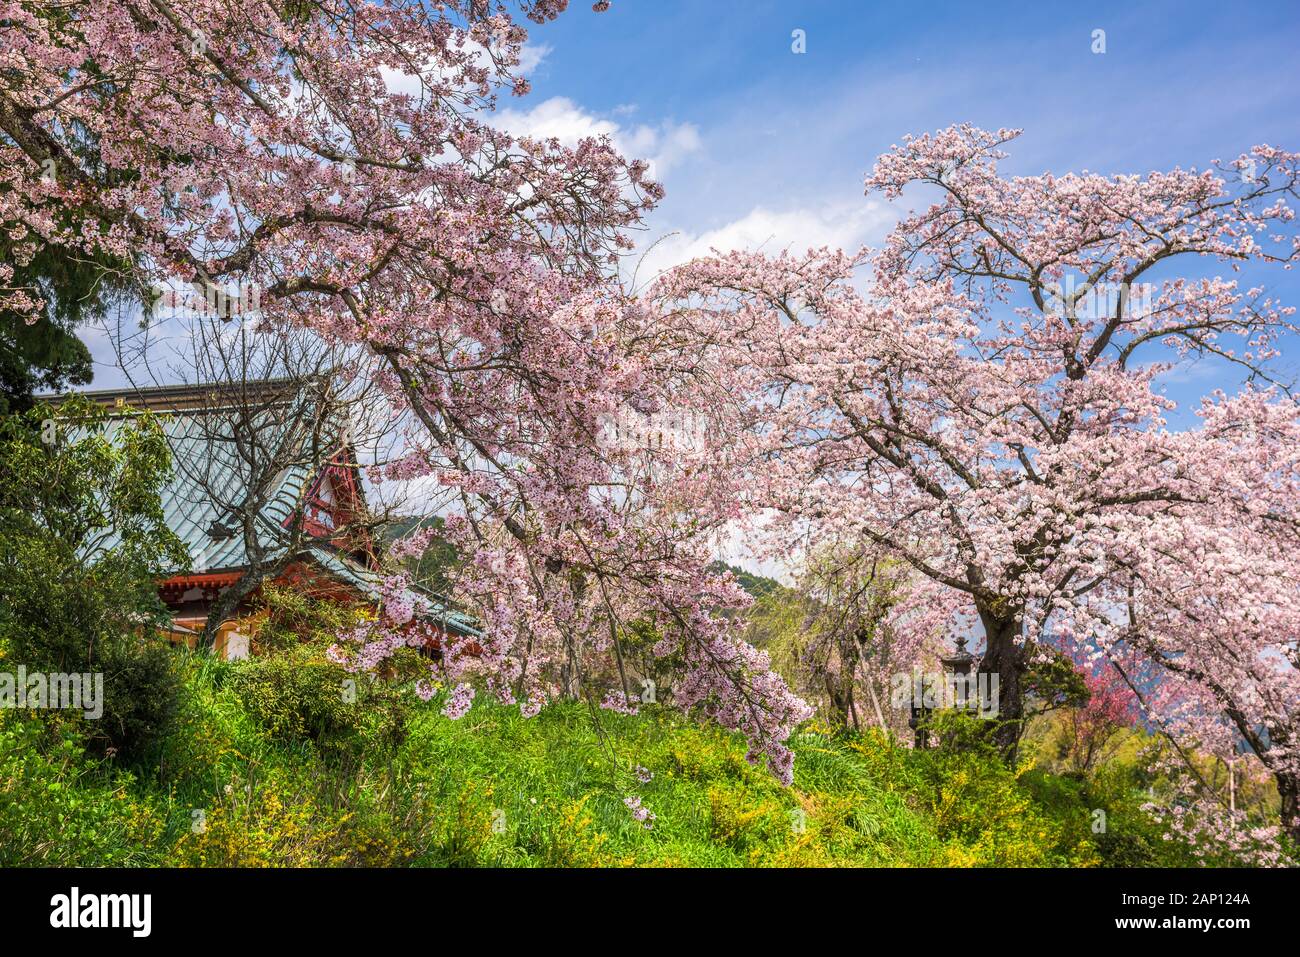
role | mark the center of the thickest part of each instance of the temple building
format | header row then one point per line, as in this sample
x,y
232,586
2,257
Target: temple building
x,y
242,460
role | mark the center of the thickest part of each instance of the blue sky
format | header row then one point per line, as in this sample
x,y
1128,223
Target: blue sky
x,y
1179,83
760,146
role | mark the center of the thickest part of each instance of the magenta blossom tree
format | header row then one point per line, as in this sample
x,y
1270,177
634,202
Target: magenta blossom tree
x,y
983,406
332,166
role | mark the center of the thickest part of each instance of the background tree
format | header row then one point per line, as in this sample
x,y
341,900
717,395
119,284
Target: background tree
x,y
833,636
82,543
49,289
39,349
1088,732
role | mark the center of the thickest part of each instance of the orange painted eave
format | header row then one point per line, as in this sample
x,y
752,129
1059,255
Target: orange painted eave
x,y
187,582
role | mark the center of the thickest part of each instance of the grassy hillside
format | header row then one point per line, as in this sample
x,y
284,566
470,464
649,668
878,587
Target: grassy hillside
x,y
267,767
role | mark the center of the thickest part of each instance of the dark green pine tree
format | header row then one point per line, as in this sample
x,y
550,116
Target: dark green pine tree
x,y
47,354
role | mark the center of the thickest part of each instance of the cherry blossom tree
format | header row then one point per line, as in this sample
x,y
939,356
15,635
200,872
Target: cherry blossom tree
x,y
983,405
1204,598
332,165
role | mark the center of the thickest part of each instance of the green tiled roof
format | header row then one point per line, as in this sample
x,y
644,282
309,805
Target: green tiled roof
x,y
366,581
205,468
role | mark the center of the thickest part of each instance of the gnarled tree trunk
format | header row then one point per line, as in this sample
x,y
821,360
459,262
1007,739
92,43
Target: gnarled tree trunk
x,y
1005,657
1288,789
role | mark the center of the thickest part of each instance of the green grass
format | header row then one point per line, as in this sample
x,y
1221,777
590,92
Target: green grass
x,y
496,789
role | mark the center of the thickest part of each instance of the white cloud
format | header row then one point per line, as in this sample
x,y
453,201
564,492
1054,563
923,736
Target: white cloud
x,y
844,226
559,117
663,146
531,57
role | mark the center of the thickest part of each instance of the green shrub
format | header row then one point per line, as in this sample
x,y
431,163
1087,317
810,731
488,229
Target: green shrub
x,y
496,789
83,537
299,694
291,618
142,698
1127,836
985,809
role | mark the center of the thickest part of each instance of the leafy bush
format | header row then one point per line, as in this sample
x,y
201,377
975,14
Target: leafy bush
x,y
82,534
82,542
496,789
142,699
980,802
288,618
299,694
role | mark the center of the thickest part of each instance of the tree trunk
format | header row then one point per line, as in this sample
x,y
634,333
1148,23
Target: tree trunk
x,y
227,604
1288,789
835,698
1005,657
